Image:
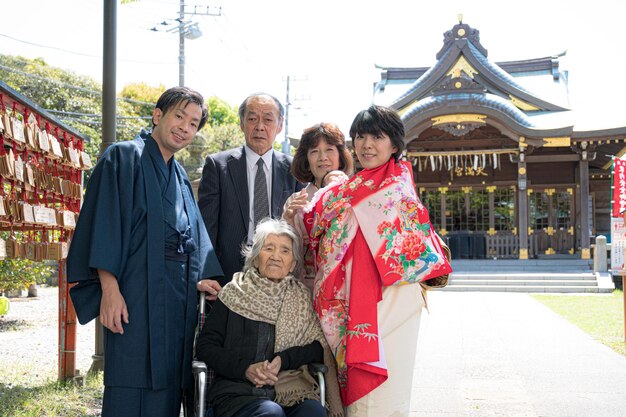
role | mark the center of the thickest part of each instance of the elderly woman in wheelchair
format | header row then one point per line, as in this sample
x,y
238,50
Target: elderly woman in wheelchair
x,y
262,333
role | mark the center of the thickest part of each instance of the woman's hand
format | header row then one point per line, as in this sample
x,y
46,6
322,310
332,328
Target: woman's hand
x,y
296,202
209,286
275,364
263,373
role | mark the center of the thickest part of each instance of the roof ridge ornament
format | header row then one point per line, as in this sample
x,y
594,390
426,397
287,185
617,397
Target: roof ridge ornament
x,y
461,32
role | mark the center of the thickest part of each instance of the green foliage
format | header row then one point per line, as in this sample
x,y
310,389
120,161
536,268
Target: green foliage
x,y
77,102
18,274
55,89
74,99
141,98
221,113
224,137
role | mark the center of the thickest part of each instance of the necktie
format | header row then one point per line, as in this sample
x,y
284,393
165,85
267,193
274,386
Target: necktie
x,y
261,204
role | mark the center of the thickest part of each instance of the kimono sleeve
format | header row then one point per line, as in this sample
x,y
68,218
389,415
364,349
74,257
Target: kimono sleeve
x,y
99,238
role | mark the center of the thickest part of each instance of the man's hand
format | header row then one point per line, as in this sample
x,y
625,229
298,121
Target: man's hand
x,y
209,286
112,307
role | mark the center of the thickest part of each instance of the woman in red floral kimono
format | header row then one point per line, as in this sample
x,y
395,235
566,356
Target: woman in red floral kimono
x,y
373,244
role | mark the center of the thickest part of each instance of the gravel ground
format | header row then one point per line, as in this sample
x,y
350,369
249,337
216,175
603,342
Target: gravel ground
x,y
29,340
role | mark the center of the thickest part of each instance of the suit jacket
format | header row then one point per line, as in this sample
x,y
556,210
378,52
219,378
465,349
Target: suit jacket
x,y
225,204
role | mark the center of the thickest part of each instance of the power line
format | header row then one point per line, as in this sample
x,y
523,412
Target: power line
x,y
48,47
69,113
80,53
62,84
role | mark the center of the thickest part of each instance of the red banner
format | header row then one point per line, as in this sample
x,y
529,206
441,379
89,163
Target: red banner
x,y
619,187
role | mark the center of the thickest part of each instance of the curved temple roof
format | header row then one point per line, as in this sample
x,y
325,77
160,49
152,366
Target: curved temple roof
x,y
464,80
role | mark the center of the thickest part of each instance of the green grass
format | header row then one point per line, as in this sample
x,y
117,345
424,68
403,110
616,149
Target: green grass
x,y
599,315
51,398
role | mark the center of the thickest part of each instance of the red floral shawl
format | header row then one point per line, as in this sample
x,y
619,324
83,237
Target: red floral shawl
x,y
374,228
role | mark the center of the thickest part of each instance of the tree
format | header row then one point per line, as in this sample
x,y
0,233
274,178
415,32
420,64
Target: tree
x,y
221,132
77,101
18,274
221,113
57,90
141,98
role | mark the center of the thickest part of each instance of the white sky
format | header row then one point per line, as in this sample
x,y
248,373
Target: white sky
x,y
330,47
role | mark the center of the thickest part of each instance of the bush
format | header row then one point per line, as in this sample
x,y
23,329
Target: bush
x,y
19,274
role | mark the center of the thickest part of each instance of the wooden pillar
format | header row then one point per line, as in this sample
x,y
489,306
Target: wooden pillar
x,y
443,191
67,328
492,210
522,207
552,221
585,238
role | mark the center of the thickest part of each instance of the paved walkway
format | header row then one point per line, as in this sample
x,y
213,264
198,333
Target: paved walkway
x,y
479,355
505,354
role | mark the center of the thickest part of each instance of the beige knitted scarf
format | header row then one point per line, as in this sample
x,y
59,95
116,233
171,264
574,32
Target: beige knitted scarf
x,y
287,305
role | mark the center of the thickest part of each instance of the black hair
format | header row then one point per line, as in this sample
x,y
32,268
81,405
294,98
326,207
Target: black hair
x,y
172,96
380,119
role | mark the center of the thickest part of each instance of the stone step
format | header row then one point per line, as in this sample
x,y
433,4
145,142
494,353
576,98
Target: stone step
x,y
562,275
530,265
521,282
526,288
546,276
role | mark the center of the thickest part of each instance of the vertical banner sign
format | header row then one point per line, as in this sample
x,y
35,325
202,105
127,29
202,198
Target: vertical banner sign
x,y
618,206
619,187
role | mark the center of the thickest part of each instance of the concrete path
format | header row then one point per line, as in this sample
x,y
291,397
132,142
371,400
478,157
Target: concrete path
x,y
505,354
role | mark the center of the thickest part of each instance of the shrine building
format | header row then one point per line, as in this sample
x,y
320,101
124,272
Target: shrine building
x,y
497,155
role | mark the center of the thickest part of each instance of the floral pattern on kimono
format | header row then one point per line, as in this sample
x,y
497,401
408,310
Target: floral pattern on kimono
x,y
369,232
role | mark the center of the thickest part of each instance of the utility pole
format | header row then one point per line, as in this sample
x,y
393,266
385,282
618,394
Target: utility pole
x,y
109,127
286,145
184,29
181,45
187,30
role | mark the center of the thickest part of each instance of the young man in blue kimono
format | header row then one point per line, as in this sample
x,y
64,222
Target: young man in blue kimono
x,y
138,251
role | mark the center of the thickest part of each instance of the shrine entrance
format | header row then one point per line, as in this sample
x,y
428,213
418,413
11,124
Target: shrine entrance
x,y
551,221
477,222
480,222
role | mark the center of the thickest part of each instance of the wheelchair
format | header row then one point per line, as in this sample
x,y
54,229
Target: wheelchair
x,y
202,375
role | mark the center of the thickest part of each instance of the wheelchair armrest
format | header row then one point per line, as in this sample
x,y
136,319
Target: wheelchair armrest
x,y
199,371
198,367
319,370
314,368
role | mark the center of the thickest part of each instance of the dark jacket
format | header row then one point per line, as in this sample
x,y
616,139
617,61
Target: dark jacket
x,y
224,202
229,343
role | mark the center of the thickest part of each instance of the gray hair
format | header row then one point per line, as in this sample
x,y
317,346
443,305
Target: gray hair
x,y
273,227
244,105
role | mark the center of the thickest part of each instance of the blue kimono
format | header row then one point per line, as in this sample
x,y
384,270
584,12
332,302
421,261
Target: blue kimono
x,y
140,222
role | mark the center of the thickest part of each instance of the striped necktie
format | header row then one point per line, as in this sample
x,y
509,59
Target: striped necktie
x,y
261,203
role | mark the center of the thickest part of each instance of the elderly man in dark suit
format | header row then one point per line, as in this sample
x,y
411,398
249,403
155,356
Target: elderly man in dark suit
x,y
241,186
